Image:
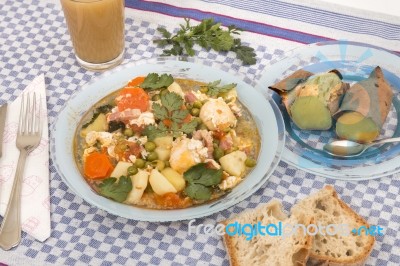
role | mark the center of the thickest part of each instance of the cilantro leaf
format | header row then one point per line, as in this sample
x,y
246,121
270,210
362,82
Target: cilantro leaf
x,y
170,109
114,190
164,32
153,81
201,179
200,174
198,192
172,101
188,128
179,115
115,125
194,172
99,110
210,177
208,35
174,127
215,90
160,112
162,127
152,132
244,53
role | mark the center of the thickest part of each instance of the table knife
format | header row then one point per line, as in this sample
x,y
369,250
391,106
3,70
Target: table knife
x,y
3,112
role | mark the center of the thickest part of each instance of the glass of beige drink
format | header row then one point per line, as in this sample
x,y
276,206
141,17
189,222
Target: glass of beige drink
x,y
97,31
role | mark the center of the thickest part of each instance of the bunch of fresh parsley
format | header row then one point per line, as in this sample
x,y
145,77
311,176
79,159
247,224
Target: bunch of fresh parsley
x,y
209,35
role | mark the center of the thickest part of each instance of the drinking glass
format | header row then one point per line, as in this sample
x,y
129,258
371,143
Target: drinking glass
x,y
96,28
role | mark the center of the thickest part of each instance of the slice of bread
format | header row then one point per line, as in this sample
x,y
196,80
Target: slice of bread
x,y
337,249
266,249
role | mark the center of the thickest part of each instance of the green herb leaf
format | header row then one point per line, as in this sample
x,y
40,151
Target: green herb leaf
x,y
153,81
170,109
152,131
115,125
198,192
172,101
99,110
162,127
194,172
200,174
164,32
244,53
209,35
160,112
104,108
215,90
188,128
175,127
210,177
179,115
114,190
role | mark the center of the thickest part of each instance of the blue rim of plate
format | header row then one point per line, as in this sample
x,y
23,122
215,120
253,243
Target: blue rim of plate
x,y
61,139
357,59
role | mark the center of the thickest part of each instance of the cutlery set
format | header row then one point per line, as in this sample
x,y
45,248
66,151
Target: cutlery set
x,y
28,138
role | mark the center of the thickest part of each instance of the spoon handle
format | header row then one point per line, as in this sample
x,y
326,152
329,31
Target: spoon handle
x,y
382,141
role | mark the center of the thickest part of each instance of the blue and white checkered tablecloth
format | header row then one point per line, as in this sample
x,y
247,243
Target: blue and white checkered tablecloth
x,y
34,40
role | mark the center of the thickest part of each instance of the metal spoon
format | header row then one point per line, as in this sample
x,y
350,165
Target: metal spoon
x,y
348,148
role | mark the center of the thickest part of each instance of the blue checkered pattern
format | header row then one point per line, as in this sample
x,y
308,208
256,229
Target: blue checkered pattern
x,y
34,40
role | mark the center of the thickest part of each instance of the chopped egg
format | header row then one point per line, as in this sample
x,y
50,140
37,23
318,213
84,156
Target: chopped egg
x,y
175,87
105,138
185,153
132,158
217,115
229,182
200,96
142,140
144,119
87,151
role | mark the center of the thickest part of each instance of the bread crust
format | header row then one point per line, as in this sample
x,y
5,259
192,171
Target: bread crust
x,y
316,259
306,255
305,249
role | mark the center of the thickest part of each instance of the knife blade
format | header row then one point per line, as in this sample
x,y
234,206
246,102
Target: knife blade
x,y
3,112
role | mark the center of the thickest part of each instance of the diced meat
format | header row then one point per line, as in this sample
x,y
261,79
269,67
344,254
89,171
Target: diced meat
x,y
125,115
226,142
206,137
133,149
190,97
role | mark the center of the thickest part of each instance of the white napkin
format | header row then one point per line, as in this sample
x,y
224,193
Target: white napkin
x,y
35,210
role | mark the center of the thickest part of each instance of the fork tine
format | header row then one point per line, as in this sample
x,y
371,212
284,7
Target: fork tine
x,y
21,115
34,118
40,120
27,109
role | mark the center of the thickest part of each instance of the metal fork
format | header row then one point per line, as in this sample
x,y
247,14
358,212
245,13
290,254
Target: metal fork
x,y
28,138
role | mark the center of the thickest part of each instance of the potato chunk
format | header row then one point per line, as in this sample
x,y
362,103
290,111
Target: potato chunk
x,y
99,124
160,184
233,163
175,178
121,169
139,181
164,142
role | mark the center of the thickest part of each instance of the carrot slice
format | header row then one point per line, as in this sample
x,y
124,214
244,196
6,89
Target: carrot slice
x,y
133,98
97,166
136,82
167,122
